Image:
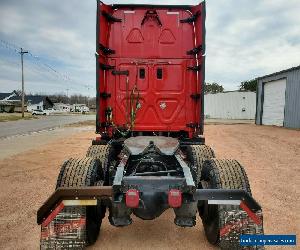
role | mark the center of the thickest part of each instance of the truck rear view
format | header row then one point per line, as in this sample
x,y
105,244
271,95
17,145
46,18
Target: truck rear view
x,y
150,154
150,70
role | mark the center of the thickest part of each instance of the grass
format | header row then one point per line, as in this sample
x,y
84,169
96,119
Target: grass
x,y
5,117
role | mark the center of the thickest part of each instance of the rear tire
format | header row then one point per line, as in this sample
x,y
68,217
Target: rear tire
x,y
226,174
197,154
105,154
98,151
79,173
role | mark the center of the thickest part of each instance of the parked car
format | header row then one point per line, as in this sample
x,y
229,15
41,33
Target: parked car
x,y
39,112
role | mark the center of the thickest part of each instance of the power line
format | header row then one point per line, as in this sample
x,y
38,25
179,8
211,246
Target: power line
x,y
14,48
41,71
64,77
50,69
10,46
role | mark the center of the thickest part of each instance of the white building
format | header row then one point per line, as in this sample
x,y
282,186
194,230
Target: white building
x,y
230,105
62,107
278,99
32,102
82,108
38,102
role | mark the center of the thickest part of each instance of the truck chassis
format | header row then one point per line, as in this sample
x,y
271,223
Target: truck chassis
x,y
167,175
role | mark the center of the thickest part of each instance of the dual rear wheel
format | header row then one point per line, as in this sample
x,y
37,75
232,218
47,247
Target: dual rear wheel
x,y
82,172
79,173
223,224
209,173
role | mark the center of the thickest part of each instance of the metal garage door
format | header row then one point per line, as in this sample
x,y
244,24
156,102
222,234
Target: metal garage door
x,y
274,101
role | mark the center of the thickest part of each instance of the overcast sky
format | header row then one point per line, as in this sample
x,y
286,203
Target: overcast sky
x,y
245,39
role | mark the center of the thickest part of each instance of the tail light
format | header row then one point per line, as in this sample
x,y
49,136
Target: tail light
x,y
175,198
98,138
132,198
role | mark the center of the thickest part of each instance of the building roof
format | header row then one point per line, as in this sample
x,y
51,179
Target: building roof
x,y
15,98
5,95
279,72
6,103
33,99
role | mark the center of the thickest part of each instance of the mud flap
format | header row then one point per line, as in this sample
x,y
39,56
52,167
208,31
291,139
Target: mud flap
x,y
66,231
235,223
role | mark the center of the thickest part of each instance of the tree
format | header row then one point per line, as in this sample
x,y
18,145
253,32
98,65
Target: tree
x,y
213,88
249,85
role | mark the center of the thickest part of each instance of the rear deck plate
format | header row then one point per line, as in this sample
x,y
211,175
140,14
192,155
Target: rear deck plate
x,y
137,145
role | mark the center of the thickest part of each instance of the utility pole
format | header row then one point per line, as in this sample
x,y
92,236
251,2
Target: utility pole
x,y
88,98
22,52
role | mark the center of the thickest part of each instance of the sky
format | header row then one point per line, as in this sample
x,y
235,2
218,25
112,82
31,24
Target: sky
x,y
245,39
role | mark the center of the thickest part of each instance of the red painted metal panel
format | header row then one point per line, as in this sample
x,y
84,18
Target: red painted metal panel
x,y
104,26
199,12
166,104
103,31
170,40
151,43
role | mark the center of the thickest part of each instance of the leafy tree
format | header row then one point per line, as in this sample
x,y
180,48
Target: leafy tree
x,y
249,85
213,88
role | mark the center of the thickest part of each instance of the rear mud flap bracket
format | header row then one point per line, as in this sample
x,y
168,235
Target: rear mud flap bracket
x,y
232,197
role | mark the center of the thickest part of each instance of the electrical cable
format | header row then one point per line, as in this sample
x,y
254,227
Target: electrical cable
x,y
14,48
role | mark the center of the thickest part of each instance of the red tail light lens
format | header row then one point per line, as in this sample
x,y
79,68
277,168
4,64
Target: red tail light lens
x,y
175,198
98,138
132,198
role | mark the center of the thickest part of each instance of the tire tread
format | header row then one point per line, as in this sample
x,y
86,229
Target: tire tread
x,y
227,174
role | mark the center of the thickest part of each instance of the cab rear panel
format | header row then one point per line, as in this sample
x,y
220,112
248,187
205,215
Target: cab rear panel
x,y
160,49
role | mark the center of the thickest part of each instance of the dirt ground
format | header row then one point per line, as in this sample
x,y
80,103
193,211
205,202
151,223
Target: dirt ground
x,y
270,155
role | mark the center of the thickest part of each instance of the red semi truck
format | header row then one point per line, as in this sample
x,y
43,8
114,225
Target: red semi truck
x,y
150,154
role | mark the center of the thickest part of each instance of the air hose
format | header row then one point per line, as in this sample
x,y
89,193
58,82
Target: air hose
x,y
132,106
